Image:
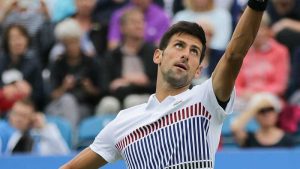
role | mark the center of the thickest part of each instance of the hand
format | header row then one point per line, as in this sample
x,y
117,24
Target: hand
x,y
44,9
39,120
9,91
139,79
69,82
282,24
9,7
88,86
24,88
117,83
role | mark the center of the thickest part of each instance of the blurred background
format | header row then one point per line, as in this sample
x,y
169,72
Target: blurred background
x,y
68,67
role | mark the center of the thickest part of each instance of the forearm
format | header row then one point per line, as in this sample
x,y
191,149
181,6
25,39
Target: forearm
x,y
242,120
244,34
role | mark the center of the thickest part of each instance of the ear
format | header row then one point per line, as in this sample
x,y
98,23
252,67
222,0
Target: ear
x,y
198,71
157,56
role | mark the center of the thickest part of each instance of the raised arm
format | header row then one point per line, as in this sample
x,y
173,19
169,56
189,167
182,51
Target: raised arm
x,y
86,159
226,71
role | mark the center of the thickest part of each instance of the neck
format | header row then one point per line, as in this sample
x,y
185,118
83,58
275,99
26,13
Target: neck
x,y
14,58
164,89
73,60
268,130
83,17
132,45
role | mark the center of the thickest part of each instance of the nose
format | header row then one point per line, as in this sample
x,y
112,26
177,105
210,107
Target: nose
x,y
185,54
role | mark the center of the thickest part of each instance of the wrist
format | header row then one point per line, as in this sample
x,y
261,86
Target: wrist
x,y
258,5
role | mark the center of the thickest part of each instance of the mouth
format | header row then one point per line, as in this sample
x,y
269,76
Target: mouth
x,y
181,66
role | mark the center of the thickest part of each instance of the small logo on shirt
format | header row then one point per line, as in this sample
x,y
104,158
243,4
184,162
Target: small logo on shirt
x,y
177,102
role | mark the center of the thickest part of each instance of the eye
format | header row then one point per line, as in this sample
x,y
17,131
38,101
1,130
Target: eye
x,y
179,45
195,52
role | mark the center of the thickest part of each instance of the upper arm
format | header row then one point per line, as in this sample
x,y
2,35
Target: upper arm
x,y
224,76
85,159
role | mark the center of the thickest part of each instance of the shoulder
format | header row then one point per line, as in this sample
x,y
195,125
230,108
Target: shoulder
x,y
131,112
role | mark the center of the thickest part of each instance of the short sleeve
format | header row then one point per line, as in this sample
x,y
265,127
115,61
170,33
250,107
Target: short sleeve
x,y
104,145
211,101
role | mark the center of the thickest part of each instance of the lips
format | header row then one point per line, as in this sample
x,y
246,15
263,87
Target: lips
x,y
182,66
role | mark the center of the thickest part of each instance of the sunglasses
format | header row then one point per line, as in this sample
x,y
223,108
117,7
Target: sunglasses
x,y
266,110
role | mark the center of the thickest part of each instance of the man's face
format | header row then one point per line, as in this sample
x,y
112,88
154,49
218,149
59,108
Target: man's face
x,y
179,62
283,7
134,26
72,46
21,116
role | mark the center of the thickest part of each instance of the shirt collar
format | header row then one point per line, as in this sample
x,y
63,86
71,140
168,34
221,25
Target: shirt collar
x,y
153,101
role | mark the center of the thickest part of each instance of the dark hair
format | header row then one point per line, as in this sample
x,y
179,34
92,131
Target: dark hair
x,y
127,13
23,31
188,28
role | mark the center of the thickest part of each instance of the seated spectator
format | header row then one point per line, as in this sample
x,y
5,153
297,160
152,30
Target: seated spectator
x,y
75,78
130,69
28,132
11,93
35,17
265,107
16,55
212,56
285,21
265,69
206,10
156,20
93,40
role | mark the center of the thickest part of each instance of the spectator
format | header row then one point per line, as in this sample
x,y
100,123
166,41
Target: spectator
x,y
35,17
11,93
266,67
265,107
212,56
156,20
92,41
285,21
28,132
130,69
16,55
205,10
75,78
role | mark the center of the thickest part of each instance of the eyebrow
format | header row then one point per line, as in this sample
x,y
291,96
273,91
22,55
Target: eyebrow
x,y
193,46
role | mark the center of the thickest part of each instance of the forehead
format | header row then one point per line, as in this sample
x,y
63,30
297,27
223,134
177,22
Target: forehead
x,y
22,108
186,38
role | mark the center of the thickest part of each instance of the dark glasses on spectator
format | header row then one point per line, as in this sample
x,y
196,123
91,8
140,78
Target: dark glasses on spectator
x,y
266,110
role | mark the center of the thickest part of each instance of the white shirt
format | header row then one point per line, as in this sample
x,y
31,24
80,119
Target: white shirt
x,y
183,130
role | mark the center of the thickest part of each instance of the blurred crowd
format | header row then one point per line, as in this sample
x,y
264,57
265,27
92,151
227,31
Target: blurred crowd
x,y
76,59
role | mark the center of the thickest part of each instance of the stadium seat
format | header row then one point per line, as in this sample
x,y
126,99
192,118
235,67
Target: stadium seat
x,y
64,127
90,127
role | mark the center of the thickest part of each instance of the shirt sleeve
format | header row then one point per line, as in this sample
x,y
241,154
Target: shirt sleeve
x,y
104,144
210,99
